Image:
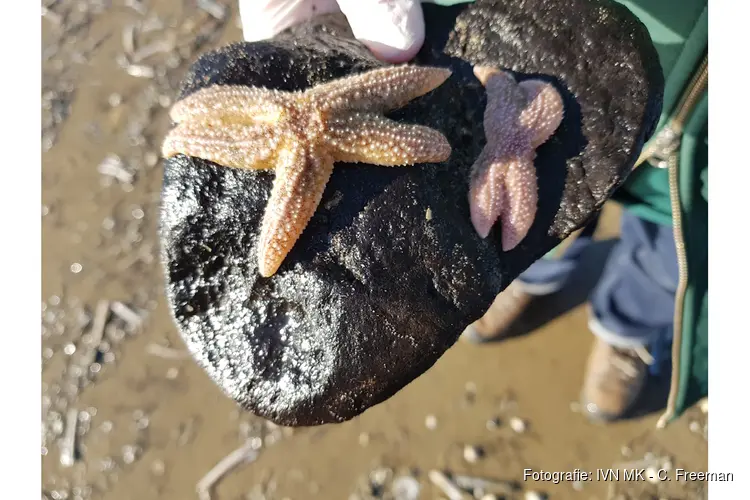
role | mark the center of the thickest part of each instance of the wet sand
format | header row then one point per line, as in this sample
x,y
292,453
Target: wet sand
x,y
143,422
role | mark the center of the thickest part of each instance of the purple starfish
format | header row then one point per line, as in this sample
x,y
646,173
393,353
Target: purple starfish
x,y
519,117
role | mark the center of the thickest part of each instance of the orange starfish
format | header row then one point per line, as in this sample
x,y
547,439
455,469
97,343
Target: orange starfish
x,y
301,135
519,117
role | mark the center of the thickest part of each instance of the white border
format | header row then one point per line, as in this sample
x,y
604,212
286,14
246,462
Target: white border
x,y
21,251
729,179
20,293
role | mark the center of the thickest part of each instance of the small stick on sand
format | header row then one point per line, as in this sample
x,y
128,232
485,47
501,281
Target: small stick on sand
x,y
97,331
643,464
140,71
487,485
136,5
166,352
53,17
100,321
68,444
126,314
214,9
113,166
446,485
160,46
243,454
128,39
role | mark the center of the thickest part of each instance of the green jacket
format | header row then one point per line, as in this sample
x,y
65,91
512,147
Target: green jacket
x,y
677,156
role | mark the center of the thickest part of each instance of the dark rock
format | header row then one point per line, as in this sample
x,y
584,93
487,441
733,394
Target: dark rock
x,y
374,291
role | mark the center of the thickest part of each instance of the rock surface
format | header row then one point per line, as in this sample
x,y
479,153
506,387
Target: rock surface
x,y
389,271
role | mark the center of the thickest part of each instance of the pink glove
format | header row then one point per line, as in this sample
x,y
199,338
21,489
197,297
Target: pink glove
x,y
392,29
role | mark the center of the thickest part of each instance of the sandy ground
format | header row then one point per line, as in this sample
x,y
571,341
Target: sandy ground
x,y
126,415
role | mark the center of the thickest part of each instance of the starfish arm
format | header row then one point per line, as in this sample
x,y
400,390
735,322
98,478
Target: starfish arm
x,y
369,138
301,178
230,103
485,193
544,111
378,90
231,145
519,190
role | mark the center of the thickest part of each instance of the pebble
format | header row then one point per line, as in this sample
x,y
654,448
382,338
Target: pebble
x,y
493,424
115,100
704,405
472,453
76,268
490,496
107,464
142,423
470,394
517,425
364,439
405,488
129,454
431,422
151,159
534,495
694,426
380,476
157,468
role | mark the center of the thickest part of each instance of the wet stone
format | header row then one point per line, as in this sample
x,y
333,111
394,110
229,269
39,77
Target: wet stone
x,y
374,292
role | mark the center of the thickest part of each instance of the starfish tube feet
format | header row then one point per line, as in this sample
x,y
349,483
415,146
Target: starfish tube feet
x,y
518,119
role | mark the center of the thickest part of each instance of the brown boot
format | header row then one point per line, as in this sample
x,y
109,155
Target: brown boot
x,y
506,308
614,379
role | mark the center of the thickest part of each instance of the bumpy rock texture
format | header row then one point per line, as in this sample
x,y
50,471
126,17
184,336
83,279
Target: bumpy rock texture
x,y
389,271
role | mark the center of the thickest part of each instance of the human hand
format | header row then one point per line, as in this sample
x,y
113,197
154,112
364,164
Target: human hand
x,y
392,29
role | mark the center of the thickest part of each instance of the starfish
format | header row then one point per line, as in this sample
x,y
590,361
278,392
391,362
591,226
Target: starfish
x,y
301,135
519,117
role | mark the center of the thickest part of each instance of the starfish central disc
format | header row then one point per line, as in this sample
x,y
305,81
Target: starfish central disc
x,y
301,135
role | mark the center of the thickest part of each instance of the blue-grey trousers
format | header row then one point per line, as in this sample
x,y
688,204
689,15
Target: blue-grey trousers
x,y
633,302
